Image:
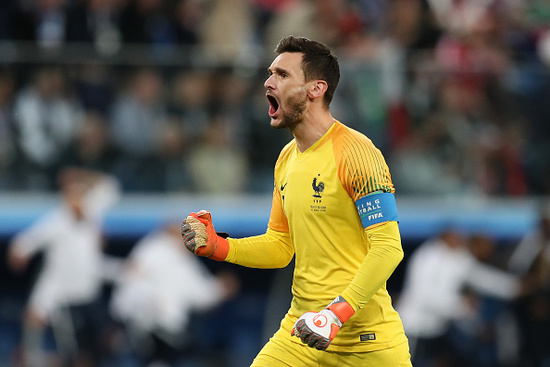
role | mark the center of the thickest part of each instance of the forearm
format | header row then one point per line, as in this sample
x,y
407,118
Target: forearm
x,y
267,251
493,282
384,255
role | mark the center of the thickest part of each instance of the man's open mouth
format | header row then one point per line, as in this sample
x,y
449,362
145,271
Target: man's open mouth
x,y
273,105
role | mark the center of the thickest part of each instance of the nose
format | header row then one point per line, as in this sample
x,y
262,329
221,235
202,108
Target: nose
x,y
268,84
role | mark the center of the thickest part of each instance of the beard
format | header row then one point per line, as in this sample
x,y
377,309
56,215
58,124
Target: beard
x,y
294,113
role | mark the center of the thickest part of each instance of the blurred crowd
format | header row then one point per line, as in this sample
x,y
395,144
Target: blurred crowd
x,y
453,92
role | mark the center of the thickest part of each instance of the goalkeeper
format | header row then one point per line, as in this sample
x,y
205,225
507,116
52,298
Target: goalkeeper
x,y
334,209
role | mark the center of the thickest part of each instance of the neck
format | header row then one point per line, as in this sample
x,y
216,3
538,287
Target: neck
x,y
311,129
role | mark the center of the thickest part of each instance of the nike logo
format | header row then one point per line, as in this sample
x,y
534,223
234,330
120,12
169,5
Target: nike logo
x,y
283,186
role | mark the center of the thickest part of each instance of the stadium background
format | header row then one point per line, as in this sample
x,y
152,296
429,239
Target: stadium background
x,y
455,95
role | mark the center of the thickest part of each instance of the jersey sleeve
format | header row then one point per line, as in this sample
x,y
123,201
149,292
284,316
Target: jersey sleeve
x,y
362,168
384,255
366,178
271,250
277,218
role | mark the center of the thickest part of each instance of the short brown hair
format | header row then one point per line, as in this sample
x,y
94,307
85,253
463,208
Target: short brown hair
x,y
318,61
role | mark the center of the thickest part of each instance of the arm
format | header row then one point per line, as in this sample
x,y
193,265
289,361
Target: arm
x,y
31,240
270,250
383,257
493,282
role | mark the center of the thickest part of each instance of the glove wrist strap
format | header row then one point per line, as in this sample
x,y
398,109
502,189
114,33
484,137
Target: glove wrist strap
x,y
222,249
341,309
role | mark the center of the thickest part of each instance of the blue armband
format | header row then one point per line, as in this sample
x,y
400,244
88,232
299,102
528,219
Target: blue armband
x,y
377,208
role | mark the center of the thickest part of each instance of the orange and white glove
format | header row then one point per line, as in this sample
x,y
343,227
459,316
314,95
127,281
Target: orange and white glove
x,y
199,236
318,329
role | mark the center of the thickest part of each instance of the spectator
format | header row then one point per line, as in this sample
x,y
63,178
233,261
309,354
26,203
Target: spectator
x,y
160,286
173,149
49,17
433,299
218,153
423,159
135,123
47,121
65,294
148,22
233,106
95,22
232,44
188,18
94,85
191,100
92,148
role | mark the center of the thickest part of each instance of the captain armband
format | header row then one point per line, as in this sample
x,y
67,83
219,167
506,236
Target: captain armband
x,y
376,208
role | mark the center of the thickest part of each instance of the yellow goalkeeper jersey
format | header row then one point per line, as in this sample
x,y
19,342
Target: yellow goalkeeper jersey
x,y
314,205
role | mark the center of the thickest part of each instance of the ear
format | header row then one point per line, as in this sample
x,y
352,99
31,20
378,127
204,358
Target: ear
x,y
317,89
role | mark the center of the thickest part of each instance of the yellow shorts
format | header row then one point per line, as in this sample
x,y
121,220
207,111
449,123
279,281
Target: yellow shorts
x,y
280,352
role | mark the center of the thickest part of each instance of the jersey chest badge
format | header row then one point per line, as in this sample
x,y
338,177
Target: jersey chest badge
x,y
318,188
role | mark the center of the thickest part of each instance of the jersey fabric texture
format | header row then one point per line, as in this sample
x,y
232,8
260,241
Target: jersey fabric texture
x,y
314,217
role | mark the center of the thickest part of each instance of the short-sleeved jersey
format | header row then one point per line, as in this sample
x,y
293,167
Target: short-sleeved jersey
x,y
314,201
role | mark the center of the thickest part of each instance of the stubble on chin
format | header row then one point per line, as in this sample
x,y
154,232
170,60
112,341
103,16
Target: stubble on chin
x,y
293,118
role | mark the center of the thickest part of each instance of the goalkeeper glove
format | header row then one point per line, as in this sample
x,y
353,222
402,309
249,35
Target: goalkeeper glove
x,y
199,236
318,329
